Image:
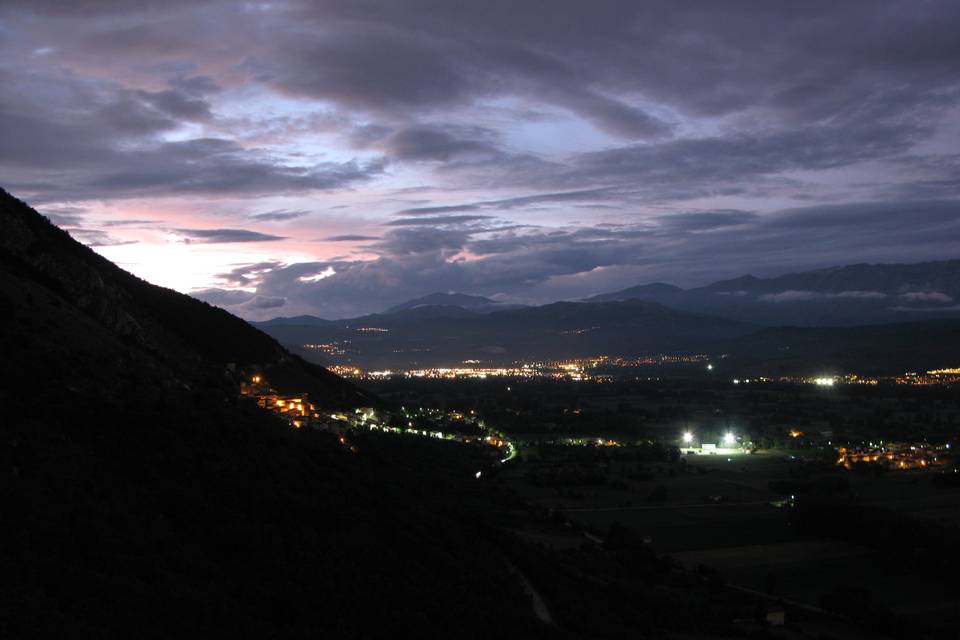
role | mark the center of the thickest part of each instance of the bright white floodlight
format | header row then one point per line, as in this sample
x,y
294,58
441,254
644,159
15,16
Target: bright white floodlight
x,y
687,437
729,438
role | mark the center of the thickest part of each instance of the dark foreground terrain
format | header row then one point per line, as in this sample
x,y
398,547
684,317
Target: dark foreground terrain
x,y
143,497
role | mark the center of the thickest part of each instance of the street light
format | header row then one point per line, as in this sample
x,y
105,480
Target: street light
x,y
729,439
687,437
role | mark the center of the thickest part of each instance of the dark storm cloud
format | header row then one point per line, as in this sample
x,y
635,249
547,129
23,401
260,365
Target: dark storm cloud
x,y
211,236
262,302
420,143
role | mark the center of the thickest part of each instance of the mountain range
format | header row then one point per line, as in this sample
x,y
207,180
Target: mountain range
x,y
477,304
838,296
444,335
723,317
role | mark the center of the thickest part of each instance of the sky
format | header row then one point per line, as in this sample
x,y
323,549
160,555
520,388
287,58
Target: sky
x,y
336,158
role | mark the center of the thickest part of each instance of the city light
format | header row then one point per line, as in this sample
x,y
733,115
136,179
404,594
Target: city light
x,y
729,439
687,437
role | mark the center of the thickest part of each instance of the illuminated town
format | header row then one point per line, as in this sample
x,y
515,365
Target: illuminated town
x,y
892,455
469,428
606,368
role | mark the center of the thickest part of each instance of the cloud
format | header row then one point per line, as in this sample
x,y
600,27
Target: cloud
x,y
66,138
176,104
247,274
540,264
690,143
195,85
129,222
261,302
926,296
432,143
903,309
213,236
98,238
434,220
280,215
223,297
860,295
349,237
65,216
514,202
805,296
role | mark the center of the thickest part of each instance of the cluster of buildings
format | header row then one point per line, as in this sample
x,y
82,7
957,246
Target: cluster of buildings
x,y
933,377
299,412
567,371
892,455
576,369
326,348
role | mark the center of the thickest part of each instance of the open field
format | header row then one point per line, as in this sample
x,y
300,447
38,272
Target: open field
x,y
773,517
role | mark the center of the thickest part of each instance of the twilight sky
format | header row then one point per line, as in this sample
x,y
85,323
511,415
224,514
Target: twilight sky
x,y
339,157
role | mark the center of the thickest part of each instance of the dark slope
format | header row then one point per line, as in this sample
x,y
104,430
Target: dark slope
x,y
176,333
142,498
888,349
640,292
448,335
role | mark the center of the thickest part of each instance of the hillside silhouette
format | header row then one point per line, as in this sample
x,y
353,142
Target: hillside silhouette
x,y
143,498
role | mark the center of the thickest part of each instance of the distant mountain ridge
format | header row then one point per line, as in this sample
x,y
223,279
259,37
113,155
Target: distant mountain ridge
x,y
836,296
478,304
447,328
294,320
433,335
